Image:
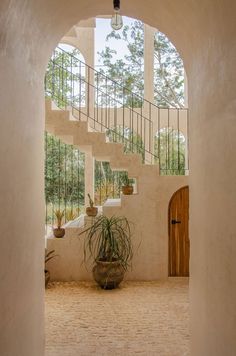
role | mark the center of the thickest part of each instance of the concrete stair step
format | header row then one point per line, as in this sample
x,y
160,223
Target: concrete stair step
x,y
126,162
63,124
107,151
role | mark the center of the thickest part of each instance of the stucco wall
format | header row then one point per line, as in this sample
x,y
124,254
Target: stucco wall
x,y
204,34
148,213
21,188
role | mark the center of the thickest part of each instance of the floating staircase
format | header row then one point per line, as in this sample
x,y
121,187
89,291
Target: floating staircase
x,y
107,106
62,124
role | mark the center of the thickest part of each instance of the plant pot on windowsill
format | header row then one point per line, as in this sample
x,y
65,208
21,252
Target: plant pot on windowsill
x,y
91,211
127,189
59,232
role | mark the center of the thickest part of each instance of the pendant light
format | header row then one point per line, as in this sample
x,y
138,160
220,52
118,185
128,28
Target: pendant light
x,y
116,20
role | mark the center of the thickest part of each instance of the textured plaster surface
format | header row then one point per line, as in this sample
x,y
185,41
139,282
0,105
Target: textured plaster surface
x,y
204,33
139,318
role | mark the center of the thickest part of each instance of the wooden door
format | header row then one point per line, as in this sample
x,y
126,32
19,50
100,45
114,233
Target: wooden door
x,y
179,233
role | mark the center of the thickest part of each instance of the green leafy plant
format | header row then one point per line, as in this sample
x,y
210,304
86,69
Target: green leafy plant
x,y
49,255
109,240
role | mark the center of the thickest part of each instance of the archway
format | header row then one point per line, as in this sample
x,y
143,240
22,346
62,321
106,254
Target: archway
x,y
99,102
25,50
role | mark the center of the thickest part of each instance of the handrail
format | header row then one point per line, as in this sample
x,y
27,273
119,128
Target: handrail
x,y
108,95
108,105
116,83
106,77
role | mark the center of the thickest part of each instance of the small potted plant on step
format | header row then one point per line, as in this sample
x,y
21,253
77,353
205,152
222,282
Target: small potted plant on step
x,y
91,210
127,187
108,244
59,231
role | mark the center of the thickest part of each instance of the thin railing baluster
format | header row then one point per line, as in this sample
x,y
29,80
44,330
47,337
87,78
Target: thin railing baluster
x,y
187,140
78,179
150,128
158,135
65,177
46,175
80,91
53,179
100,185
178,140
168,138
88,91
72,178
106,102
97,99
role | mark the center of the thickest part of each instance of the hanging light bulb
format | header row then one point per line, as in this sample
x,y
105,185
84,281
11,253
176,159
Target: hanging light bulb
x,y
116,20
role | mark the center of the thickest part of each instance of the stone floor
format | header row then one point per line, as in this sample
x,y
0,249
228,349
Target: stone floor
x,y
139,318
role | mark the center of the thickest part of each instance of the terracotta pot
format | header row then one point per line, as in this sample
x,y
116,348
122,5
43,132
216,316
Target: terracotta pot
x,y
91,211
59,232
108,275
47,277
127,189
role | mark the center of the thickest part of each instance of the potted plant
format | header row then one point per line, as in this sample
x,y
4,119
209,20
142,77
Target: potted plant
x,y
91,210
108,244
48,256
127,187
59,231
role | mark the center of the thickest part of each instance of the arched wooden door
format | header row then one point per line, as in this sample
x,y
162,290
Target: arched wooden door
x,y
179,233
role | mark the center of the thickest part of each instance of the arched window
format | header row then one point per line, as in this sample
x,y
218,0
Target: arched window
x,y
65,80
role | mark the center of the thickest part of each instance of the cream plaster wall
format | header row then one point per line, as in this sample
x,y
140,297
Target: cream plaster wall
x,y
204,33
148,213
21,182
83,39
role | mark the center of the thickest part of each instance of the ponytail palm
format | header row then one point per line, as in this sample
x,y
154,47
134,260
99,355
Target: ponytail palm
x,y
109,240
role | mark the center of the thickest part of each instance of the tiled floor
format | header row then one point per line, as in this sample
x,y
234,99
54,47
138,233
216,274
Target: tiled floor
x,y
139,318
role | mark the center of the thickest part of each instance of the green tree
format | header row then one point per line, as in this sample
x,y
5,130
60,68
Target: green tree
x,y
129,71
64,176
168,73
169,147
65,78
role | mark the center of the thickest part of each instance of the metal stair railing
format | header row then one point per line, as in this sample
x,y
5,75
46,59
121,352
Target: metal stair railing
x,y
110,107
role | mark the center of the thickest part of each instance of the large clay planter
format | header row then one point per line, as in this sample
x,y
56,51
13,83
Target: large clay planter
x,y
59,232
91,211
108,275
127,189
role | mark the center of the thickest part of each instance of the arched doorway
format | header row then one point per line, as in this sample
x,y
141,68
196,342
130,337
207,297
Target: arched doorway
x,y
179,233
